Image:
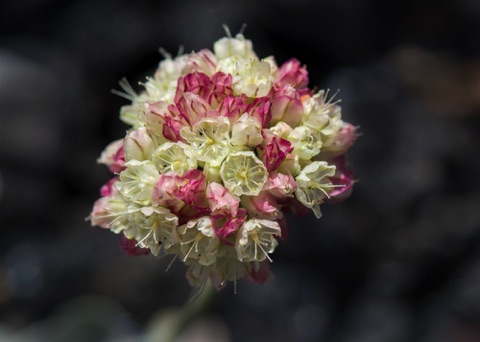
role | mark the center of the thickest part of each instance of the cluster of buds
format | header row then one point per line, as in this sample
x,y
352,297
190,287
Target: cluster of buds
x,y
221,144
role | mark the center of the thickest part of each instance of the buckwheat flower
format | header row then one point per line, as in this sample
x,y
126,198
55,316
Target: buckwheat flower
x,y
113,156
198,241
220,145
203,61
163,85
174,157
287,106
306,143
281,129
222,202
321,115
137,181
290,165
247,131
139,144
251,76
339,142
280,185
262,206
243,173
256,239
314,185
292,74
210,139
154,228
230,47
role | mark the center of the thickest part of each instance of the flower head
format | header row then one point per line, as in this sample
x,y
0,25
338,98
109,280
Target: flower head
x,y
221,143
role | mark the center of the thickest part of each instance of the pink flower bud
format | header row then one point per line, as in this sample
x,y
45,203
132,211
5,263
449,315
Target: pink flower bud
x,y
131,247
260,272
99,215
280,185
262,206
192,108
221,201
233,107
225,225
343,180
197,83
113,156
164,192
339,142
259,108
109,189
274,151
286,106
291,73
174,191
221,88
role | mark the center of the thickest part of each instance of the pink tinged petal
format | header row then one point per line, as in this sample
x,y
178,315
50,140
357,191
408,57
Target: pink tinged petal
x,y
274,152
287,106
203,61
113,156
343,140
100,213
226,226
262,206
118,164
291,73
165,190
296,207
130,247
280,185
233,107
171,129
343,179
283,223
192,108
222,87
175,191
192,189
261,272
221,201
109,188
259,108
197,83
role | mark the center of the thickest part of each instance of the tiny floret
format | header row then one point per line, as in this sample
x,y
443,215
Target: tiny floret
x,y
243,173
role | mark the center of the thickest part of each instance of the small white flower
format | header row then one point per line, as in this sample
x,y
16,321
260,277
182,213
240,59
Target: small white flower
x,y
306,143
247,131
176,157
229,47
198,241
139,144
210,139
321,115
163,85
251,76
154,228
314,185
243,173
137,181
256,239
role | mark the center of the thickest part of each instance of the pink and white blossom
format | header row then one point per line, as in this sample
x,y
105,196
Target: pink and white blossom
x,y
221,144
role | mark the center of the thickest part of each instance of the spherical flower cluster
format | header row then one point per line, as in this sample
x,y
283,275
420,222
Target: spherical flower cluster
x,y
221,144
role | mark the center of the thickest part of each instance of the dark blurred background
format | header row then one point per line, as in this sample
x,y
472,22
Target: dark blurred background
x,y
398,261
